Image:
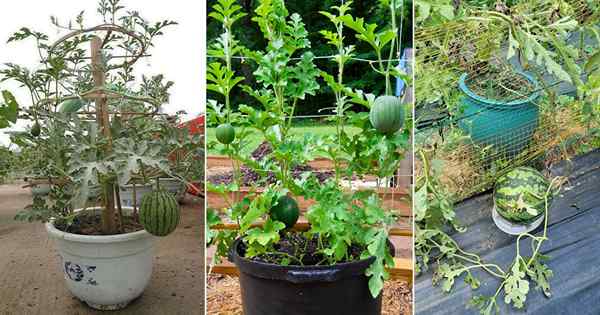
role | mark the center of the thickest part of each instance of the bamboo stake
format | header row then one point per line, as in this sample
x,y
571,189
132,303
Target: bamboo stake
x,y
109,215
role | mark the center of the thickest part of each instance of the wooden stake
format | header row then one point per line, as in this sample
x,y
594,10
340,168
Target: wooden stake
x,y
109,216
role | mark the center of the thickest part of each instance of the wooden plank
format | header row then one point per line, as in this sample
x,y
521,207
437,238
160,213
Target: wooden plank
x,y
403,269
224,161
395,199
302,225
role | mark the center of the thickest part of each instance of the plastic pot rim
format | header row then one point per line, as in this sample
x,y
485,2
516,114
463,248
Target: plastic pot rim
x,y
299,274
492,103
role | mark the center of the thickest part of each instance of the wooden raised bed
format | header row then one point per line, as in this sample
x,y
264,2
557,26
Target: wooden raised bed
x,y
402,269
224,161
395,198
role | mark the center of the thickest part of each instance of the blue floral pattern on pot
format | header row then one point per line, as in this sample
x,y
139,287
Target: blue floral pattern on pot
x,y
80,273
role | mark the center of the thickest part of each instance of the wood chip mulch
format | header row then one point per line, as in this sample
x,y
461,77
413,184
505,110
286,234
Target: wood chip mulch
x,y
223,297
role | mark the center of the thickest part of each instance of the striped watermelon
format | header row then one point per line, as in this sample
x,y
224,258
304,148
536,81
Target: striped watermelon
x,y
159,212
387,114
519,195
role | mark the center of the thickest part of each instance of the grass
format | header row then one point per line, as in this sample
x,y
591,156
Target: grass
x,y
298,130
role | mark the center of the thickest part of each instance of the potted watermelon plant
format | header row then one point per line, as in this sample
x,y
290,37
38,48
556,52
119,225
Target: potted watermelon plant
x,y
337,263
97,132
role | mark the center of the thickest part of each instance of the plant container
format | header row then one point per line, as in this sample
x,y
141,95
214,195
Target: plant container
x,y
515,228
126,194
171,185
340,289
508,126
106,272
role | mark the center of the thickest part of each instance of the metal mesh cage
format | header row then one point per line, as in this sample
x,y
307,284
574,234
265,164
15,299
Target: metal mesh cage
x,y
480,113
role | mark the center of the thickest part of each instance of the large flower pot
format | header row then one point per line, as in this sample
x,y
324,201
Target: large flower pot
x,y
171,185
507,126
340,289
126,193
108,271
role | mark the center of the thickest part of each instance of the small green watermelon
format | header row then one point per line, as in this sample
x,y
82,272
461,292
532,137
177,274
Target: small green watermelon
x,y
35,129
387,114
159,213
225,133
71,106
286,211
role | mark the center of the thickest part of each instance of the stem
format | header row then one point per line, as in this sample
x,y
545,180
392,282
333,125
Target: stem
x,y
108,213
392,48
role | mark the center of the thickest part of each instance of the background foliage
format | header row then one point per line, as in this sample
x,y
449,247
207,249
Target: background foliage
x,y
356,74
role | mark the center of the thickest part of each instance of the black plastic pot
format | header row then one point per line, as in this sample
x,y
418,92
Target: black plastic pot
x,y
269,289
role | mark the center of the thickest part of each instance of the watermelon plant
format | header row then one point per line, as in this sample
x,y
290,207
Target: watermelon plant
x,y
96,128
434,212
344,226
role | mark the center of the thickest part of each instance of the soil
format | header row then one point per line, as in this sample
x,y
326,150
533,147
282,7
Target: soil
x,y
501,85
90,224
250,177
223,297
296,245
32,281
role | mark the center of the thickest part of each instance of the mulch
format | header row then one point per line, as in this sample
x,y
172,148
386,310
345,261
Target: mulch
x,y
223,297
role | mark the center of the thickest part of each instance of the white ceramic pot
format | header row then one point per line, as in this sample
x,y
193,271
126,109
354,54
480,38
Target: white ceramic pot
x,y
126,193
106,272
171,185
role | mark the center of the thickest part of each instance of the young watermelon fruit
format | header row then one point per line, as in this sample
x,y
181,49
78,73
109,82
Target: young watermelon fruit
x,y
285,211
159,213
35,129
70,106
387,114
520,195
225,133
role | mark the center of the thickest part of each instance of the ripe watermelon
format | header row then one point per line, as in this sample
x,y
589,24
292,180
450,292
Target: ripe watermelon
x,y
285,211
71,106
225,133
387,114
519,195
159,213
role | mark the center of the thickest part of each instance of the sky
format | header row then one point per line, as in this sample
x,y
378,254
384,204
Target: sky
x,y
179,54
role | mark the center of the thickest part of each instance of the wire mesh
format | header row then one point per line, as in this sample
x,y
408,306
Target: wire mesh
x,y
483,116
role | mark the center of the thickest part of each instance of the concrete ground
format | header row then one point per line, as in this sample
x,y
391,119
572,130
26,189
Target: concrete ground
x,y
31,281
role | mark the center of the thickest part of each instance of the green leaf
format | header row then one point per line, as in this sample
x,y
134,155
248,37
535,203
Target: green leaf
x,y
541,274
11,110
592,63
266,235
516,286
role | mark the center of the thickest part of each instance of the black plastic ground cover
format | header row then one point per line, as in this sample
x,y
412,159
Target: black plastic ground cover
x,y
573,247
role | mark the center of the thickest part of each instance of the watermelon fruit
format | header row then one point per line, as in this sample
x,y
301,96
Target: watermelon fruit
x,y
71,106
285,211
159,212
225,133
35,129
387,114
519,195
